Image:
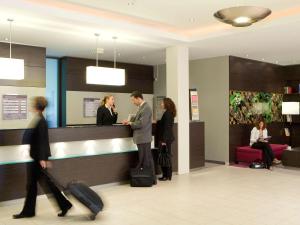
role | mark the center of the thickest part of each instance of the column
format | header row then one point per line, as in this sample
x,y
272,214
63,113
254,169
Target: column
x,y
177,62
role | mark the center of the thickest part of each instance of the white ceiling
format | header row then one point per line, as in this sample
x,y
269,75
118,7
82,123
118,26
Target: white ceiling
x,y
145,28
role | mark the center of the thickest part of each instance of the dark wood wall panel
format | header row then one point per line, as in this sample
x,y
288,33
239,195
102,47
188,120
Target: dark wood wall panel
x,y
94,170
138,77
175,149
35,64
251,75
292,77
197,146
15,137
197,152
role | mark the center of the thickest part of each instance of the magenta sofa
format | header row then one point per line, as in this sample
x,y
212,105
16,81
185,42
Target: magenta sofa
x,y
249,155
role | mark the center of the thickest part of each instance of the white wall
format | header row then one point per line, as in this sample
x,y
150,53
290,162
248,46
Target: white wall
x,y
123,104
211,78
30,92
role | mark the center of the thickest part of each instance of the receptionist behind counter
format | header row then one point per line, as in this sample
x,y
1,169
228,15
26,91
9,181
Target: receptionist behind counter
x,y
106,113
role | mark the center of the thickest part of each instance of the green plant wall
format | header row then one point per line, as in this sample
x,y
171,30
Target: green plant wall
x,y
247,107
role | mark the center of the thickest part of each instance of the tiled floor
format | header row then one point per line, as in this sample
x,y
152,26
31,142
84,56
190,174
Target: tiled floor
x,y
216,195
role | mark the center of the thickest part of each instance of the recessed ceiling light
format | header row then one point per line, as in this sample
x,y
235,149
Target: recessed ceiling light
x,y
6,39
242,16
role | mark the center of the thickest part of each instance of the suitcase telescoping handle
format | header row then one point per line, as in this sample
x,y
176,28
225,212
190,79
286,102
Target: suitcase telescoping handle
x,y
53,180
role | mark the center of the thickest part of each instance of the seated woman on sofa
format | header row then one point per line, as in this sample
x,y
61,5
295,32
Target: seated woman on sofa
x,y
259,140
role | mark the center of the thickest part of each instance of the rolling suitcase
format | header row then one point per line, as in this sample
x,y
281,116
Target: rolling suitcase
x,y
141,177
84,194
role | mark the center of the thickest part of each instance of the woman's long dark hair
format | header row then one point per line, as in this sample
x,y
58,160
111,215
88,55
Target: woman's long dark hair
x,y
259,121
170,106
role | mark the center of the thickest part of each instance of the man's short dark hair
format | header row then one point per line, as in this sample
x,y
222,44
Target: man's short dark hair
x,y
137,94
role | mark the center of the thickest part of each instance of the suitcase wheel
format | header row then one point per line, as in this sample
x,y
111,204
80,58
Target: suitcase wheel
x,y
92,217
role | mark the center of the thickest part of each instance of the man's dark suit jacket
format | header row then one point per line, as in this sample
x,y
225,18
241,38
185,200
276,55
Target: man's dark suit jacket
x,y
104,117
39,141
165,127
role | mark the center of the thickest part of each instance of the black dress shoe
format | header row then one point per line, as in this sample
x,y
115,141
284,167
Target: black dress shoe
x,y
22,215
163,179
64,211
169,178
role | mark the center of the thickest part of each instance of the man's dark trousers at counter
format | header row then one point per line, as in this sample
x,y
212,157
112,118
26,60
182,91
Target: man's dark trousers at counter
x,y
142,136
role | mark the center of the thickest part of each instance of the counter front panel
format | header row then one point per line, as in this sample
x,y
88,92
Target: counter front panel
x,y
95,155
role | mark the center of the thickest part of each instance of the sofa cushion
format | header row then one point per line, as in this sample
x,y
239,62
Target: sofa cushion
x,y
277,147
249,149
248,154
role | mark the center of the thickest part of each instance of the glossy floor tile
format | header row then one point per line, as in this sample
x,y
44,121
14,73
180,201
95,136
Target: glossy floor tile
x,y
215,195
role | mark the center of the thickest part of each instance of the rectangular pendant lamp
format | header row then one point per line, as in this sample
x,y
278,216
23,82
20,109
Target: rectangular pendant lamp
x,y
105,76
11,69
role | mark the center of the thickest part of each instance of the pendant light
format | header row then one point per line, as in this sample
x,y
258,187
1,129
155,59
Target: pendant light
x,y
242,16
10,68
105,75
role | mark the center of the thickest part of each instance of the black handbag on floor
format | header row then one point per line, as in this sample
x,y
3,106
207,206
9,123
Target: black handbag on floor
x,y
164,156
141,177
257,165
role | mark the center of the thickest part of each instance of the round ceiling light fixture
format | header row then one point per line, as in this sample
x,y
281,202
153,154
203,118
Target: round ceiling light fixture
x,y
242,16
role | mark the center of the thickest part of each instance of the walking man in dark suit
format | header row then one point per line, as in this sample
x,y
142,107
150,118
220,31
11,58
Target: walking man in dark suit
x,y
40,152
141,125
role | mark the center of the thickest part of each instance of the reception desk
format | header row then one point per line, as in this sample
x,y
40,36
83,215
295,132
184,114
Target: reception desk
x,y
95,155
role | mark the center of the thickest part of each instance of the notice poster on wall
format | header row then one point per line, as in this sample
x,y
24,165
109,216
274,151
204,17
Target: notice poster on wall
x,y
90,106
14,107
194,107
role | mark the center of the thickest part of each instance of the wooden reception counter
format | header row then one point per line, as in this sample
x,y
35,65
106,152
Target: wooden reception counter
x,y
95,155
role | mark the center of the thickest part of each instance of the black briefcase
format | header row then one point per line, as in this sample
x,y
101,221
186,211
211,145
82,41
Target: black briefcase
x,y
142,177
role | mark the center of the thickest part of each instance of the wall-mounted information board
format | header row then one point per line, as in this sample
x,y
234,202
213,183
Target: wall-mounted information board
x,y
90,106
14,107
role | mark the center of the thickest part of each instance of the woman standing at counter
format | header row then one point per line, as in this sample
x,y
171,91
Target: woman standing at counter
x,y
165,134
106,113
40,152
